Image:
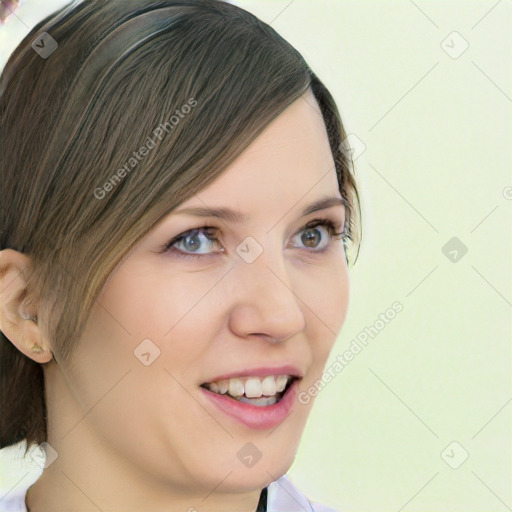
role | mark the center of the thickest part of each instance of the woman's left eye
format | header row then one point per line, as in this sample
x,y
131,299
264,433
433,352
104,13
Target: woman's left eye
x,y
310,236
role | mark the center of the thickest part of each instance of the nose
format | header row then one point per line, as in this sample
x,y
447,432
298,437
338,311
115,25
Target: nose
x,y
265,303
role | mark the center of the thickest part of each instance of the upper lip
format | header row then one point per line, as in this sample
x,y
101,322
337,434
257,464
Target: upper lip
x,y
260,371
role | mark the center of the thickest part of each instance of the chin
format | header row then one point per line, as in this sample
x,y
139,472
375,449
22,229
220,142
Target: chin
x,y
259,474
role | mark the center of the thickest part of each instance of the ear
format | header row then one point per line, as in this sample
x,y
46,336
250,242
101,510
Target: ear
x,y
18,319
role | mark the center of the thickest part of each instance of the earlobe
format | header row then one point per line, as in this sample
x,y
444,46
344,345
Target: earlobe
x,y
18,322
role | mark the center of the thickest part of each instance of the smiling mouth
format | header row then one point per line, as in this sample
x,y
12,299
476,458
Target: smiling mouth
x,y
253,390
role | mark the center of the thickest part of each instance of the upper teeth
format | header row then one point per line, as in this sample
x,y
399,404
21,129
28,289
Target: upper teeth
x,y
253,387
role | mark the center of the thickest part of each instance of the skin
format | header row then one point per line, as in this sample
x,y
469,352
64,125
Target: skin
x,y
133,437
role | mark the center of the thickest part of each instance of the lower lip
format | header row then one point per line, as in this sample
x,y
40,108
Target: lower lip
x,y
254,416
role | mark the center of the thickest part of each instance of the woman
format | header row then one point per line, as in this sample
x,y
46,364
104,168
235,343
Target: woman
x,y
177,215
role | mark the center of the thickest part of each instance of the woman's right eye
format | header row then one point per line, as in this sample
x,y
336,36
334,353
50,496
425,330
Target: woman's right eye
x,y
190,241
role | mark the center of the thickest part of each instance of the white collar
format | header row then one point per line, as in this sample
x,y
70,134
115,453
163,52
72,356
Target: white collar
x,y
283,496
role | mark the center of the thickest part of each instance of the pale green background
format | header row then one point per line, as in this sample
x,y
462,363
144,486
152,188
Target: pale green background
x,y
437,162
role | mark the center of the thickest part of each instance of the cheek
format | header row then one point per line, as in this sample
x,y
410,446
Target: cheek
x,y
327,300
167,313
337,298
126,398
156,301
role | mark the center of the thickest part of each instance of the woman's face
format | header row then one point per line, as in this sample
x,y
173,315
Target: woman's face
x,y
269,293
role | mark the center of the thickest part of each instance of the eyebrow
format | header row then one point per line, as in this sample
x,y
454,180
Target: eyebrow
x,y
236,216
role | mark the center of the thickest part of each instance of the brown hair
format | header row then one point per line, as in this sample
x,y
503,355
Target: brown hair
x,y
200,79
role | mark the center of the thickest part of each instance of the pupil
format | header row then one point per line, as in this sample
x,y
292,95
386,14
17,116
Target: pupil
x,y
313,233
194,244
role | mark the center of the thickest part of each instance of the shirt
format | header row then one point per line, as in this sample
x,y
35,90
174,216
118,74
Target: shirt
x,y
282,496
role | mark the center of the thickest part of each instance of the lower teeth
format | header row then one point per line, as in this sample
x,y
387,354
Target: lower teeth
x,y
258,401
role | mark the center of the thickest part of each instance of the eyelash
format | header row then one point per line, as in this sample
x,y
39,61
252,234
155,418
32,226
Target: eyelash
x,y
210,230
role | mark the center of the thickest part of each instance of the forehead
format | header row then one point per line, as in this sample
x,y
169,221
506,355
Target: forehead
x,y
289,163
